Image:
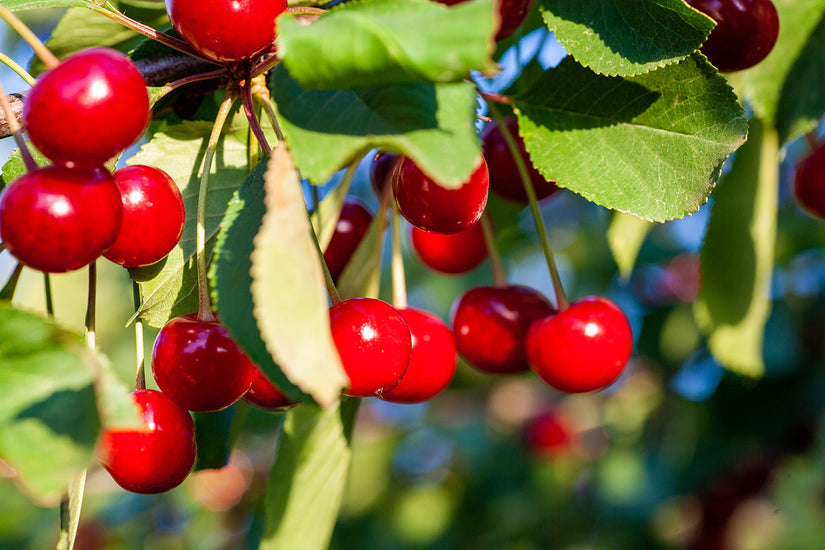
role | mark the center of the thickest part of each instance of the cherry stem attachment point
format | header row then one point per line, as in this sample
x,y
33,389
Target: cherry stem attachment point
x,y
44,53
17,131
204,300
90,307
499,276
264,66
21,72
561,299
249,111
140,373
399,283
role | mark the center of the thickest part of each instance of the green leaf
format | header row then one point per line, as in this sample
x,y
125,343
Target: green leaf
x,y
70,512
232,280
307,481
650,145
169,288
48,417
434,124
626,37
786,88
15,167
625,237
737,255
372,42
288,289
212,435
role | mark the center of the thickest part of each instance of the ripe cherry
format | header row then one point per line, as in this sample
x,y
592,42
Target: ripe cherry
x,y
266,395
505,180
548,435
583,348
59,219
454,254
513,13
157,457
374,343
198,365
430,207
153,216
809,182
226,31
87,109
490,325
745,32
432,359
381,170
351,227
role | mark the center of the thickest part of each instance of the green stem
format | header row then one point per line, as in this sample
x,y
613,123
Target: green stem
x,y
140,373
17,131
334,297
270,113
45,55
399,283
47,287
7,292
21,72
561,299
90,306
499,275
204,300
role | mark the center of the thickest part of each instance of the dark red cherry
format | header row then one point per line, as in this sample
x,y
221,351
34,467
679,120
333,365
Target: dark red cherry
x,y
745,32
809,182
87,109
153,216
374,343
505,180
59,219
432,359
198,365
157,457
490,325
453,254
266,395
351,227
548,435
226,31
430,207
381,171
513,13
583,348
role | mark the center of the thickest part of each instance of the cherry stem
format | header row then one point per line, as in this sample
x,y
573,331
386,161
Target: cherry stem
x,y
140,373
17,131
44,53
399,283
47,288
561,299
264,66
204,300
316,201
11,285
90,306
305,10
490,97
21,72
334,297
168,88
254,125
499,276
260,93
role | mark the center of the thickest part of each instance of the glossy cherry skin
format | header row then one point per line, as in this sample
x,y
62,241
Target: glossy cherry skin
x,y
381,170
266,395
513,13
352,225
505,180
87,109
432,359
374,343
490,325
745,32
156,458
583,348
809,182
153,216
453,254
226,31
58,219
430,207
198,365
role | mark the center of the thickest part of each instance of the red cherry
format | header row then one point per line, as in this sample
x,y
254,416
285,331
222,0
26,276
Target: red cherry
x,y
87,109
432,359
490,325
374,343
505,180
198,365
153,216
745,32
430,207
352,225
266,395
59,219
809,182
226,31
548,435
454,254
512,12
156,458
381,170
583,348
